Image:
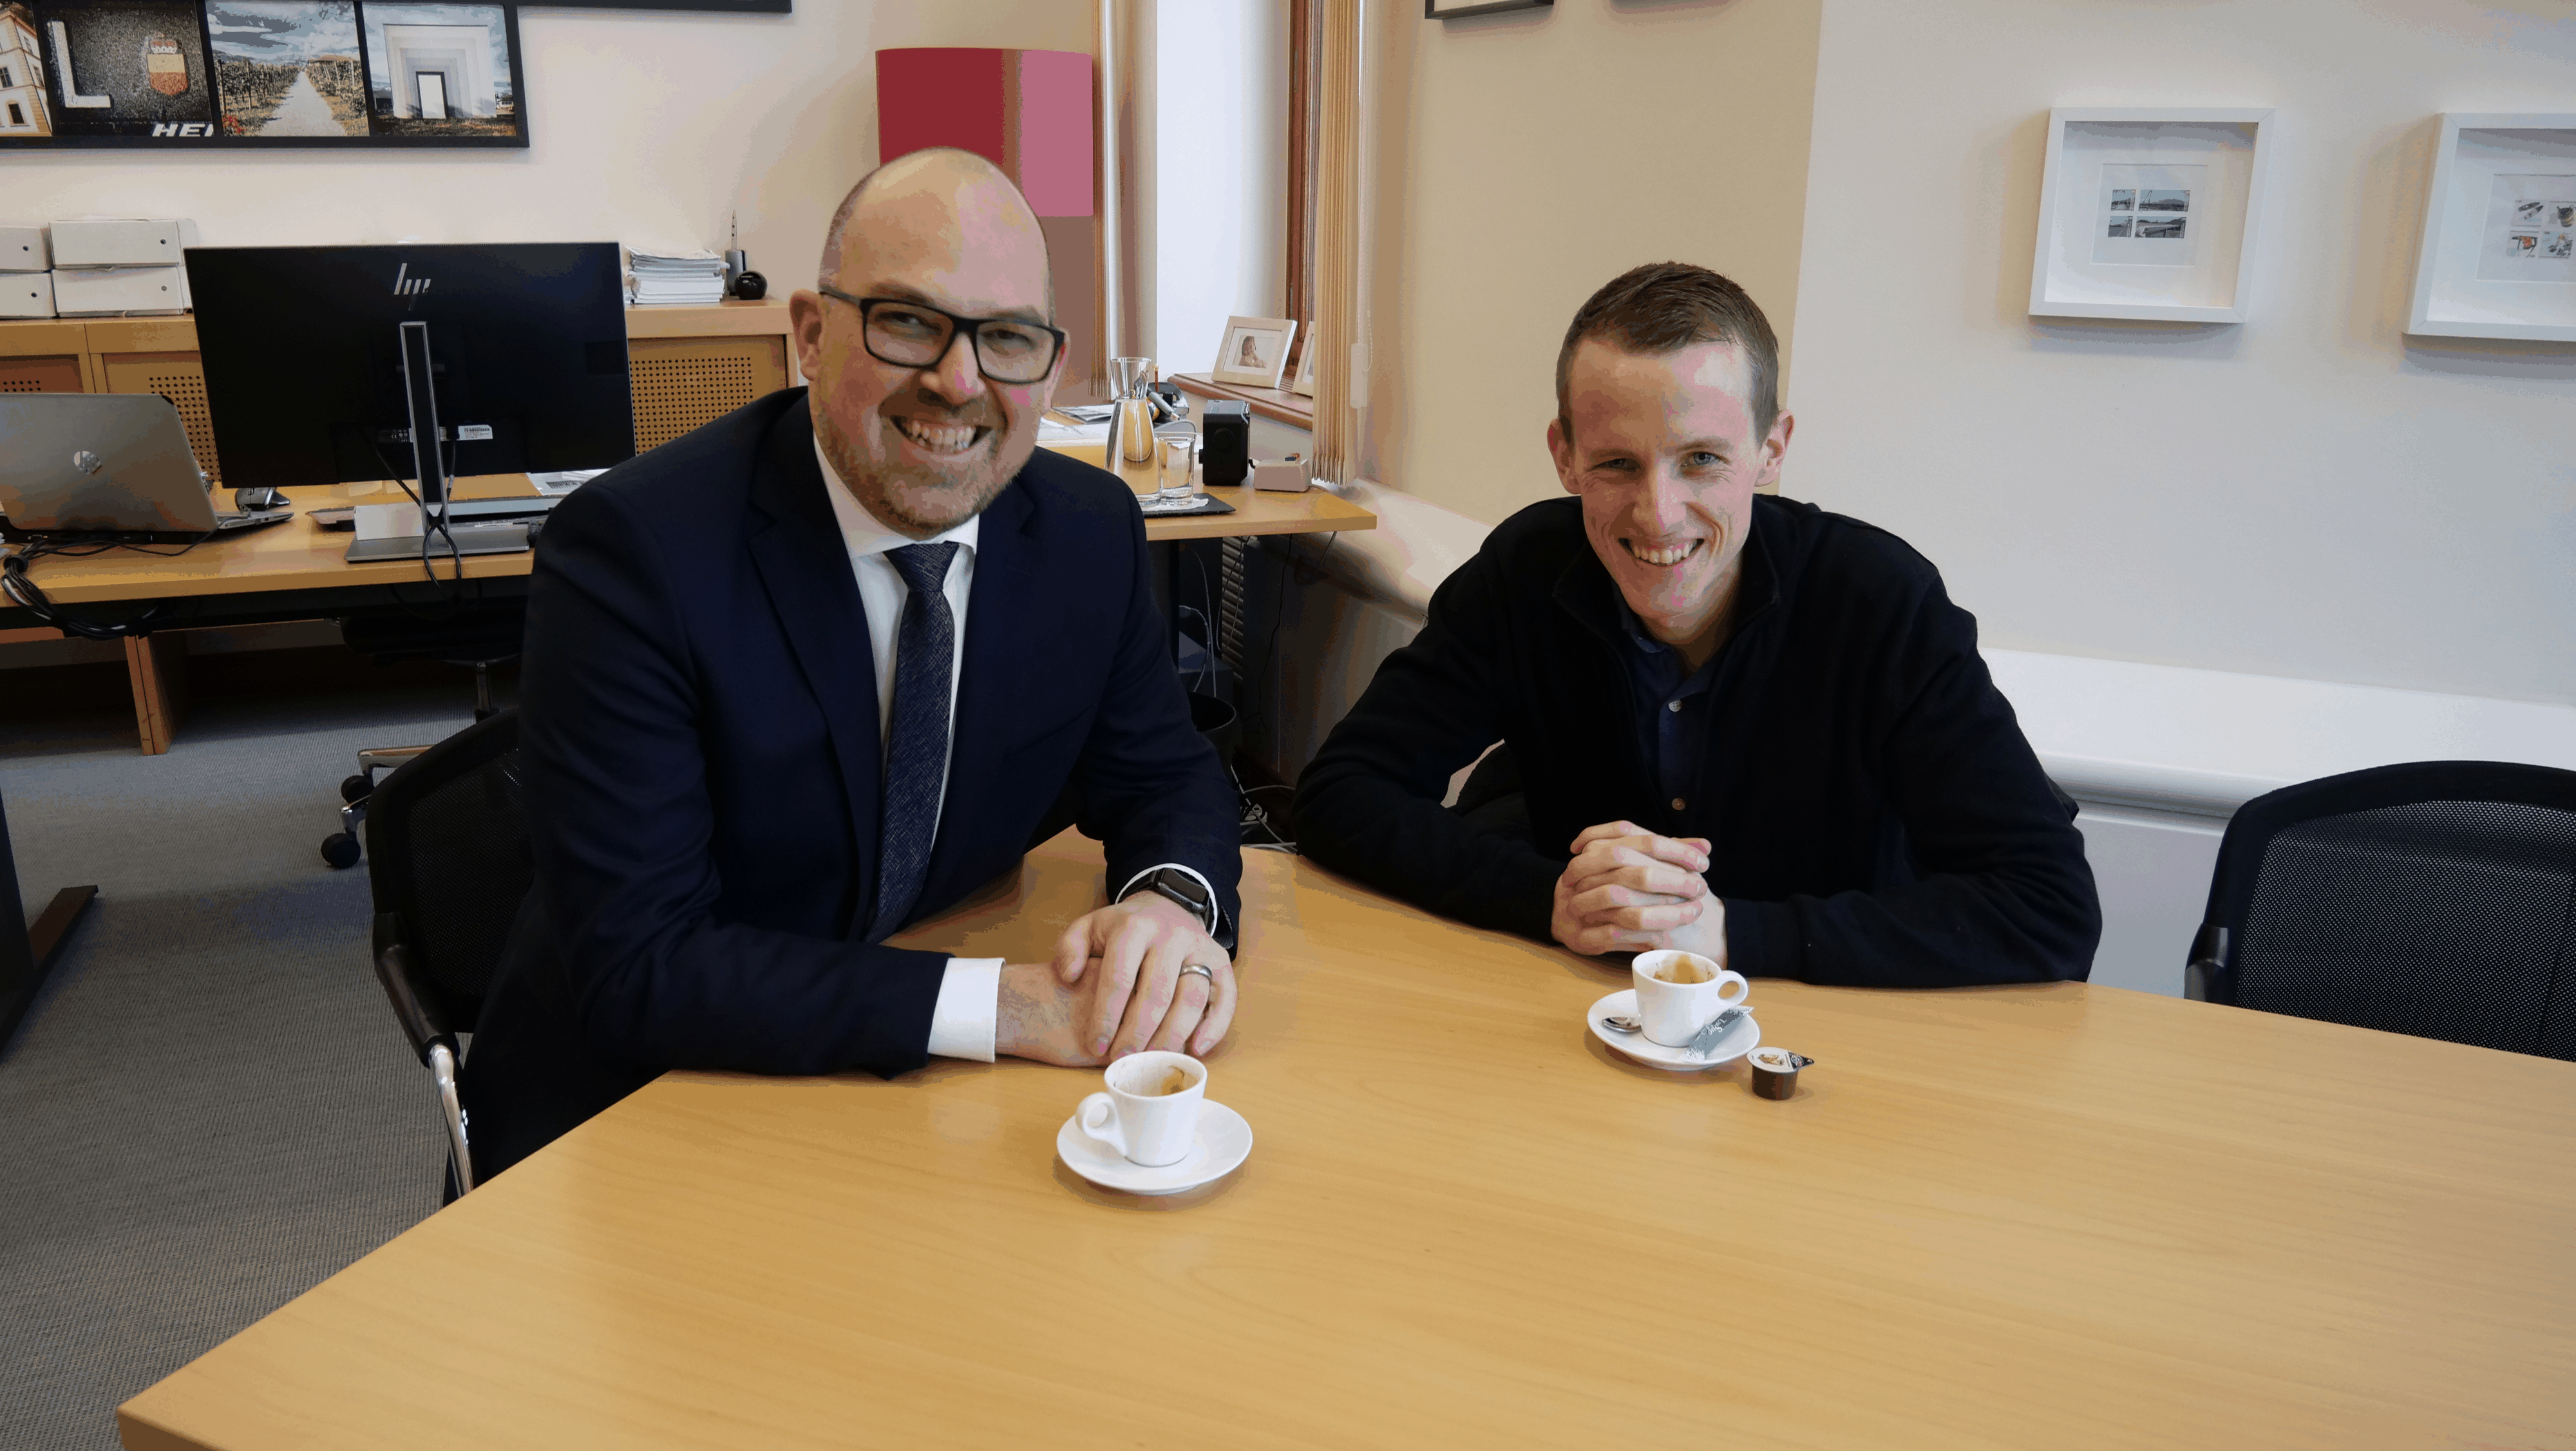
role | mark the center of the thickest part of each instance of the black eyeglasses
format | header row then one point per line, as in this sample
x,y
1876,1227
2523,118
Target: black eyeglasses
x,y
917,335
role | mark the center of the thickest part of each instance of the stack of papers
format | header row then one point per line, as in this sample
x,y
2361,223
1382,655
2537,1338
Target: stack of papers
x,y
674,277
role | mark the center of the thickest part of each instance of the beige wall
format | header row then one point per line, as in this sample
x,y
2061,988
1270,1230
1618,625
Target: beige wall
x,y
1525,159
2310,493
648,128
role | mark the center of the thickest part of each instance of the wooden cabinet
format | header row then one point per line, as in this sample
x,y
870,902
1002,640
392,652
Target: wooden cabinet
x,y
687,365
693,365
44,357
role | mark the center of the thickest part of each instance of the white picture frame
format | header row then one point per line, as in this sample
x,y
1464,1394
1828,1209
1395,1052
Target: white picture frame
x,y
1304,387
2480,271
1263,341
2193,199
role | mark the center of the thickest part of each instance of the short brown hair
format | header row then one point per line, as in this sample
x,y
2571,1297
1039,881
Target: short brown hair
x,y
1664,307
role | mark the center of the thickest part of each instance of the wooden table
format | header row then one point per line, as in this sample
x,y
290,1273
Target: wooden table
x,y
295,571
2052,1217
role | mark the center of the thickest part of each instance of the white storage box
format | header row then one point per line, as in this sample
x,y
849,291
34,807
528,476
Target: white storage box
x,y
122,242
89,291
1286,476
26,294
22,249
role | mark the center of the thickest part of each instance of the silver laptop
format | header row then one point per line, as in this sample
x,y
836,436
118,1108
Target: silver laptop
x,y
105,463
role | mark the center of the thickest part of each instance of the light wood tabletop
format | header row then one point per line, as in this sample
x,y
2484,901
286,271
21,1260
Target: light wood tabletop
x,y
1256,511
295,555
298,554
2036,1217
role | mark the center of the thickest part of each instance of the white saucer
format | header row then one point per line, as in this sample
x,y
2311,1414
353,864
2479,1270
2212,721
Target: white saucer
x,y
1222,1142
1737,1041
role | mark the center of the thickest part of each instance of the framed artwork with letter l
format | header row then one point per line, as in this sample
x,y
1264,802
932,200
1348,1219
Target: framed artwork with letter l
x,y
246,75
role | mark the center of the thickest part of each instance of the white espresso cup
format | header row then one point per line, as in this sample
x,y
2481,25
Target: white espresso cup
x,y
1674,1012
1151,1111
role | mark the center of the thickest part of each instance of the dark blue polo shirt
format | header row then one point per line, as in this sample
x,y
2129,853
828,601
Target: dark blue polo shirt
x,y
1671,712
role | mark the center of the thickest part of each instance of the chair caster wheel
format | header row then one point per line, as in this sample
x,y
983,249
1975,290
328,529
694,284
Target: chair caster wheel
x,y
340,849
354,789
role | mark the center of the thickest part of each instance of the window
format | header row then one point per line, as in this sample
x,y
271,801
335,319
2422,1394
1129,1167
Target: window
x,y
16,116
1305,96
6,82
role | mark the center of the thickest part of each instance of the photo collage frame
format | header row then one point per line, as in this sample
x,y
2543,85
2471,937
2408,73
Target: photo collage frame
x,y
251,74
2533,237
2147,214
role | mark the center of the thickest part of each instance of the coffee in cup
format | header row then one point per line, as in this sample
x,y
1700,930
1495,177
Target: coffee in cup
x,y
1679,993
1150,1113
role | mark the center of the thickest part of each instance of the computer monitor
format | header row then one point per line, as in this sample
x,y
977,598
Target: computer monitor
x,y
318,358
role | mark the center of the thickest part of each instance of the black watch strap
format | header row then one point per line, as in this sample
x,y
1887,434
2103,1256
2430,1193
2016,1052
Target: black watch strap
x,y
1182,888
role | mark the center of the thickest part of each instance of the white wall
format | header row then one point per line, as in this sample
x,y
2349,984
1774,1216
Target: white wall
x,y
1220,191
647,127
2309,494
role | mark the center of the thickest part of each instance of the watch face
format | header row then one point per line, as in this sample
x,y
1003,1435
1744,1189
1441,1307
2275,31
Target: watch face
x,y
1182,887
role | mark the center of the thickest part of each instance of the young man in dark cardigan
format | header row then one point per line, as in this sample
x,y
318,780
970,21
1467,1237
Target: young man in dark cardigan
x,y
1742,726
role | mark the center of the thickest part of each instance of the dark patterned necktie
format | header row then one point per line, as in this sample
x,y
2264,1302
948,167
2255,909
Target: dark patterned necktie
x,y
916,732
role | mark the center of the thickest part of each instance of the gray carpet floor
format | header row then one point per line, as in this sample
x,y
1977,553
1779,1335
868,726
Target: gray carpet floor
x,y
209,1109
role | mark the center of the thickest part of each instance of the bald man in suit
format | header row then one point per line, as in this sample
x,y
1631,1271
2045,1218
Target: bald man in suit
x,y
821,668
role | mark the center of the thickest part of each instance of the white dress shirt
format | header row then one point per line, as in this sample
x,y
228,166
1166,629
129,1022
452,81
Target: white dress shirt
x,y
963,1021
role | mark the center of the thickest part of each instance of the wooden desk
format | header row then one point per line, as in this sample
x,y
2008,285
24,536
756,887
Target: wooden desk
x,y
295,570
1316,511
2054,1218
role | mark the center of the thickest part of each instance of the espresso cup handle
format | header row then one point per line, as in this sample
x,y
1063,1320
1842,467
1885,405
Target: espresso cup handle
x,y
1743,987
1106,1130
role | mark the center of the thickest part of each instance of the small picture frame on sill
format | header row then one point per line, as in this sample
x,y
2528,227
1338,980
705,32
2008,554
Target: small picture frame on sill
x,y
1254,351
1304,387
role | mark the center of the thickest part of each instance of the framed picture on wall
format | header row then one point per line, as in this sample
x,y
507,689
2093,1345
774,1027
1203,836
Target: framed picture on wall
x,y
218,75
2149,212
2498,253
1305,383
1254,351
444,73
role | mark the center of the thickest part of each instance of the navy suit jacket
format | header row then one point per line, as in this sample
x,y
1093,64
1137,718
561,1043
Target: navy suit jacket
x,y
700,758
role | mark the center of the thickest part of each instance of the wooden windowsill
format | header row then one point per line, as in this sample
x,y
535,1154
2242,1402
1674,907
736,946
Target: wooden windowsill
x,y
1277,404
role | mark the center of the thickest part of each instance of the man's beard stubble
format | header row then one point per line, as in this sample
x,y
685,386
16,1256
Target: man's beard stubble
x,y
893,491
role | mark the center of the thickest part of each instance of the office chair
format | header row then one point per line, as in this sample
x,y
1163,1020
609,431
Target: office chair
x,y
2436,898
478,638
448,864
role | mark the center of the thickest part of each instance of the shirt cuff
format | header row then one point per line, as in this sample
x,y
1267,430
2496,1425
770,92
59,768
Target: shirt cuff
x,y
961,1022
1207,919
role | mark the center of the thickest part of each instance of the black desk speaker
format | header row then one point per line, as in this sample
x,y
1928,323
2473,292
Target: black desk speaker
x,y
1225,434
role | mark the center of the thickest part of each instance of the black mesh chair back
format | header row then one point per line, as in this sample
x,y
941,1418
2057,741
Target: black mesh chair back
x,y
2436,898
448,859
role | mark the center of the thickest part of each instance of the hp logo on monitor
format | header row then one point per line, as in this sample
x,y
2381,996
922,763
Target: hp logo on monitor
x,y
411,288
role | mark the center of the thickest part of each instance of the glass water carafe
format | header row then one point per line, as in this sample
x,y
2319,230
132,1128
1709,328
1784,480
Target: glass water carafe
x,y
1131,418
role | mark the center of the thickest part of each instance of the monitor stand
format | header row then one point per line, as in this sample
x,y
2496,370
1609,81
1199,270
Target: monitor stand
x,y
440,533
261,497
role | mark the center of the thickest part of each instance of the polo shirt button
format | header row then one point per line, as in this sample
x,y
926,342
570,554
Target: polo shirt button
x,y
1672,705
1677,803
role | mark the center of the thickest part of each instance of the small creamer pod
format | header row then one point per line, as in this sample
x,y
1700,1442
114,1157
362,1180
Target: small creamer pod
x,y
1775,1071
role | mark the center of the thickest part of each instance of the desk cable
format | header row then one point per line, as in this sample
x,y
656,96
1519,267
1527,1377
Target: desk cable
x,y
451,589
29,596
1254,813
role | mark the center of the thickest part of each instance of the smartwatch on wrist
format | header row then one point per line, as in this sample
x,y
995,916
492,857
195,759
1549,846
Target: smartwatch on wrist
x,y
1180,887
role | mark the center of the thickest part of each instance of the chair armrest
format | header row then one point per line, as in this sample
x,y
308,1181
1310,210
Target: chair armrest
x,y
415,1003
2205,978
